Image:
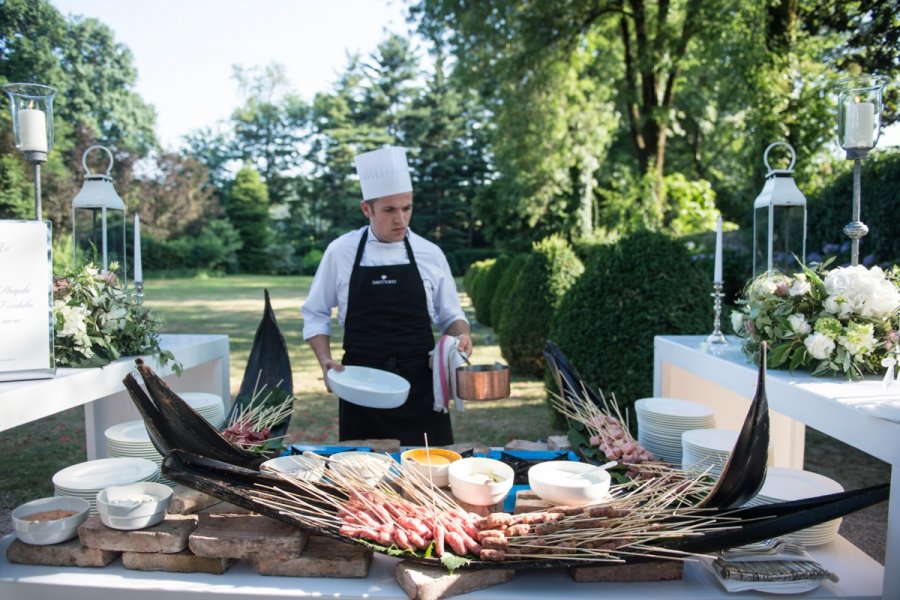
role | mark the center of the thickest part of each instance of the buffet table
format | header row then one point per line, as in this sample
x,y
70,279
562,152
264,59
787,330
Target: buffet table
x,y
858,413
205,359
860,577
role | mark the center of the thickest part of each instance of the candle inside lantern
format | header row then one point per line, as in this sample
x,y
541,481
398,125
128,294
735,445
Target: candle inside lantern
x,y
32,130
859,124
138,273
717,270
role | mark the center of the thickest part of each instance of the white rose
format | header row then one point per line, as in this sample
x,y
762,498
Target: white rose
x,y
799,324
819,345
114,319
838,306
865,291
737,321
800,287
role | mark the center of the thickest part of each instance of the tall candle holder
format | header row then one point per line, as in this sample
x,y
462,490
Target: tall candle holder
x,y
139,293
32,121
859,127
717,337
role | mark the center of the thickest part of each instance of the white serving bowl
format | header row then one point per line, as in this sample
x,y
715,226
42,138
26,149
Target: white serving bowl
x,y
568,483
306,467
480,481
370,466
133,506
45,532
372,388
433,464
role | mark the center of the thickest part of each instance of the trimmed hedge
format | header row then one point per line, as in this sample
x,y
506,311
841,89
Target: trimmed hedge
x,y
487,285
475,272
504,287
551,269
461,259
643,286
829,209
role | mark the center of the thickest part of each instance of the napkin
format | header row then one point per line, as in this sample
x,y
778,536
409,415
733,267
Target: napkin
x,y
446,357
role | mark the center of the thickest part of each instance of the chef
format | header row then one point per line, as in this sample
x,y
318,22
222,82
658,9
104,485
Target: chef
x,y
389,286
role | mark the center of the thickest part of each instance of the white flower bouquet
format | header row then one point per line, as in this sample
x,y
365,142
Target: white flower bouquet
x,y
842,321
96,322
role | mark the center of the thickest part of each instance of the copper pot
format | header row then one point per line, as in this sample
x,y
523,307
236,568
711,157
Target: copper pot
x,y
482,382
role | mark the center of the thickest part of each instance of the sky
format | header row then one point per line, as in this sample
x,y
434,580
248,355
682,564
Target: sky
x,y
184,49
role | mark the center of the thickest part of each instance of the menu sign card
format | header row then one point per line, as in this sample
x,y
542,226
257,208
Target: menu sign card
x,y
26,301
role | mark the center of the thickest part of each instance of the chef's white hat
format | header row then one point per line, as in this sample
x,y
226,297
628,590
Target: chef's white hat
x,y
383,172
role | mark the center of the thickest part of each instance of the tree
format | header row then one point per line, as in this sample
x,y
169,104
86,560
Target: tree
x,y
269,127
442,125
95,101
248,210
174,201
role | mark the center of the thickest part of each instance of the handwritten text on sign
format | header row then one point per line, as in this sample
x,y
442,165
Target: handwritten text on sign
x,y
26,318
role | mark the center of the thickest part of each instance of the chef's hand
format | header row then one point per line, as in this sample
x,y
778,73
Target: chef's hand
x,y
330,364
465,344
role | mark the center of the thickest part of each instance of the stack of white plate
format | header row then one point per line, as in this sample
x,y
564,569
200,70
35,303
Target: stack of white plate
x,y
661,421
130,439
784,485
209,406
87,479
703,449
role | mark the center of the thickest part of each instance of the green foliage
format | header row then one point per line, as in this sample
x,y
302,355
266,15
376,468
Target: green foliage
x,y
690,205
502,293
551,269
248,210
487,285
642,286
474,274
460,260
829,209
16,191
214,249
309,264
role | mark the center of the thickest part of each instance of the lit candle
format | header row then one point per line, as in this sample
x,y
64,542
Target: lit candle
x,y
138,274
859,125
717,272
32,130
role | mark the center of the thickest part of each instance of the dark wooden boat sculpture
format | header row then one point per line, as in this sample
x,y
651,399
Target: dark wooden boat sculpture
x,y
268,368
196,455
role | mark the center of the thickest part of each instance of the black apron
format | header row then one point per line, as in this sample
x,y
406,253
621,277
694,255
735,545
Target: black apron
x,y
388,327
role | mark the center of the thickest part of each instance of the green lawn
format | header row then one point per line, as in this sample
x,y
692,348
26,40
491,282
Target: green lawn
x,y
32,453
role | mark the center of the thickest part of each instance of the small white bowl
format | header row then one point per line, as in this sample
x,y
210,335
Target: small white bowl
x,y
370,466
54,531
480,481
568,483
133,506
306,467
432,464
372,388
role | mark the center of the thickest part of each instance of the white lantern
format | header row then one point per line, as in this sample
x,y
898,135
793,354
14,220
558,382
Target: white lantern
x,y
98,220
779,220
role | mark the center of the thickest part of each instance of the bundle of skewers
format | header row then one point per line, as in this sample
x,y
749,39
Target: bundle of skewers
x,y
405,512
660,512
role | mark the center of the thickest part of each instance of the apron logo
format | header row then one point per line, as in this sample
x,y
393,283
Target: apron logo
x,y
384,281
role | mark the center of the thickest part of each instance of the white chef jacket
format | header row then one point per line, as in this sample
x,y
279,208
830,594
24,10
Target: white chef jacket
x,y
332,281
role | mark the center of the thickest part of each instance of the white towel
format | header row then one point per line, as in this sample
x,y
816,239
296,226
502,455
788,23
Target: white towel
x,y
446,357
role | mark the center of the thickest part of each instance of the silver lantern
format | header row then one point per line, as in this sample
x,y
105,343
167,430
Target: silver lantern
x,y
98,220
779,220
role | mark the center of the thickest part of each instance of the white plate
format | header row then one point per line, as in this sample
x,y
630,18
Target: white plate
x,y
715,440
129,432
98,474
201,400
369,387
784,485
674,408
